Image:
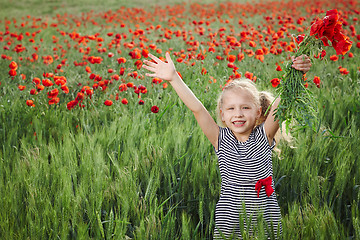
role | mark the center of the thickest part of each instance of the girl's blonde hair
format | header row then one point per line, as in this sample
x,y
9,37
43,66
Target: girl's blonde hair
x,y
261,99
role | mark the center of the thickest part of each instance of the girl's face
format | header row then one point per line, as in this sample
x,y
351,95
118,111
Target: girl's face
x,y
239,112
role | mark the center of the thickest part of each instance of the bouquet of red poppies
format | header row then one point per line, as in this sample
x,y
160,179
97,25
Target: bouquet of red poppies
x,y
296,100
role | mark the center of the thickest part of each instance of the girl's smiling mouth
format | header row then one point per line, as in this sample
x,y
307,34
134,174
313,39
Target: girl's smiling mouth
x,y
238,123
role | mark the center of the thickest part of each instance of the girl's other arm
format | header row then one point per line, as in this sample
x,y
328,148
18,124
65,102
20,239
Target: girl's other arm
x,y
167,71
301,63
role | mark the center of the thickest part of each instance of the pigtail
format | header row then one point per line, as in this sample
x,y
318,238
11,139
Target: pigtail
x,y
266,99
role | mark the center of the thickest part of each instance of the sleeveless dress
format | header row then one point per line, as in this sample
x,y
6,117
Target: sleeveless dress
x,y
241,165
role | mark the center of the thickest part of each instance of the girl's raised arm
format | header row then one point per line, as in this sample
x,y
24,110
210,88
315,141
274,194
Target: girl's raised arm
x,y
167,71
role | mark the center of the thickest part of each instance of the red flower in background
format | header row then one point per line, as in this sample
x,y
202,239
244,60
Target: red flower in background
x,y
70,105
124,101
108,102
155,109
275,82
231,58
334,58
53,93
13,65
343,71
12,72
323,54
47,83
317,81
30,103
55,100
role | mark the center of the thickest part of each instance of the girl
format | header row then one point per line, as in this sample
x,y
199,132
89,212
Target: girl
x,y
243,148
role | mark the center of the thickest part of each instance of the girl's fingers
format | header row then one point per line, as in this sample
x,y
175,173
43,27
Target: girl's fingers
x,y
156,59
149,68
150,74
168,58
150,64
302,58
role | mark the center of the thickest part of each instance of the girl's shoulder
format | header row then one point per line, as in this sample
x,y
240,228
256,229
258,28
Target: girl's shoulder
x,y
260,134
226,137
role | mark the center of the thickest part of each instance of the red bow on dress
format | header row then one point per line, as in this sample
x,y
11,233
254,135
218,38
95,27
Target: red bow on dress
x,y
267,184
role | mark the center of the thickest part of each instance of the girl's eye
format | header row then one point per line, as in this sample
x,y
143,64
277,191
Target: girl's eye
x,y
246,108
231,108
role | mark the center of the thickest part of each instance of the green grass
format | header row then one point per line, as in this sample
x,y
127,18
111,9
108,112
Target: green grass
x,y
123,172
40,8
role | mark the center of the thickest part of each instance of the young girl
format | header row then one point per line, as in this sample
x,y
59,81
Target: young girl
x,y
243,148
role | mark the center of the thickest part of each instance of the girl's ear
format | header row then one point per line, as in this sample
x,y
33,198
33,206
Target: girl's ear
x,y
221,115
259,113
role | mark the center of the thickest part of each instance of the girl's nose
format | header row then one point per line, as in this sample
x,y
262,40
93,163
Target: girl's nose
x,y
239,113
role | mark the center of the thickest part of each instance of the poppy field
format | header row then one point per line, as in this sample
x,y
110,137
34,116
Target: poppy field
x,y
91,148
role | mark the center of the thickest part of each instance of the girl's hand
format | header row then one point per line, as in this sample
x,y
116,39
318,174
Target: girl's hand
x,y
160,69
301,63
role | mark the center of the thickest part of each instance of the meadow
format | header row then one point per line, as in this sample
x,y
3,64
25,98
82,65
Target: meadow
x,y
93,149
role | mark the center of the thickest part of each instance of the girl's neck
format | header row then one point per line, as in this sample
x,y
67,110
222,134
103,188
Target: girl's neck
x,y
241,137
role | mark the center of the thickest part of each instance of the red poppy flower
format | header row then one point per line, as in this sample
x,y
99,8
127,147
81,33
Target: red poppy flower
x,y
156,80
323,54
317,81
155,109
203,71
30,103
141,102
12,72
124,101
344,71
317,28
70,105
54,101
53,93
122,87
259,52
275,82
80,96
299,38
108,102
138,64
22,87
145,53
60,80
47,82
122,71
13,65
252,44
343,45
249,75
33,91
231,58
65,89
334,58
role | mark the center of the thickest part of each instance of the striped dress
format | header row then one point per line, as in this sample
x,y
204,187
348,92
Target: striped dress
x,y
241,165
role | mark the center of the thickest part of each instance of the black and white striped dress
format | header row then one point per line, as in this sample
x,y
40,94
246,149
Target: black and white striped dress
x,y
241,165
